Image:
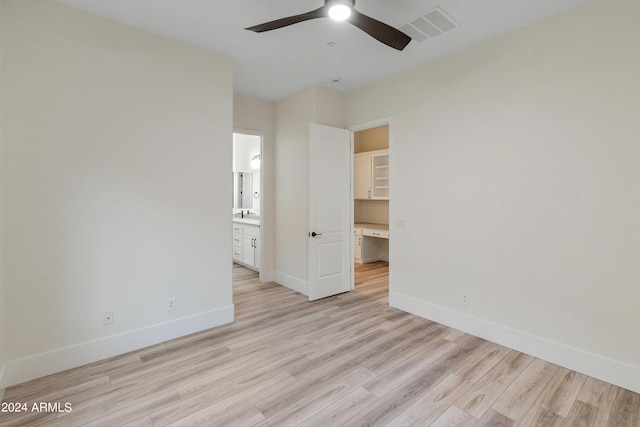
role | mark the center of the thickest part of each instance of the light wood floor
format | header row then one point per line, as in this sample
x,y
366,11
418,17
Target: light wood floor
x,y
346,360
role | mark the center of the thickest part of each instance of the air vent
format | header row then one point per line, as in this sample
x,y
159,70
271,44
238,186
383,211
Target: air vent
x,y
431,24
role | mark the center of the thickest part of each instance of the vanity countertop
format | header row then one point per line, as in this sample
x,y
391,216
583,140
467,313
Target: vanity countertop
x,y
250,221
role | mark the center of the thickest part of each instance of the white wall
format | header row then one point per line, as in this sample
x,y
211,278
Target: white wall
x,y
527,151
256,115
117,155
2,302
244,148
293,115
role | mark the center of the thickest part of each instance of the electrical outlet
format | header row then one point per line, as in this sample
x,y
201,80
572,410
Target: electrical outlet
x,y
171,304
107,318
464,298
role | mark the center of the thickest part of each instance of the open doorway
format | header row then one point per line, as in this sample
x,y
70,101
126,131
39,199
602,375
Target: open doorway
x,y
371,179
247,200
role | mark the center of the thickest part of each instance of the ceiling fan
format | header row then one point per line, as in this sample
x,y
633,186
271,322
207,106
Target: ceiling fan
x,y
343,10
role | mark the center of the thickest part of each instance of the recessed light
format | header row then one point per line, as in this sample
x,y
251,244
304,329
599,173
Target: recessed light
x,y
331,44
336,80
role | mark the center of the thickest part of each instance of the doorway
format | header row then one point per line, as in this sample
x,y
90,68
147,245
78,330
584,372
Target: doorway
x,y
371,199
247,200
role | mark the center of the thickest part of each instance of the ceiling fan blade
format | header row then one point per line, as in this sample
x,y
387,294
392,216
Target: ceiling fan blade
x,y
379,30
290,20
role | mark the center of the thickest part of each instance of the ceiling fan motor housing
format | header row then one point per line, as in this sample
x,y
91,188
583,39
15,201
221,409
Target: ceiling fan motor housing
x,y
349,3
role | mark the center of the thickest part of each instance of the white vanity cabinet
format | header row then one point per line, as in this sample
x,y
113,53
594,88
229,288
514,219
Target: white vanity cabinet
x,y
246,245
237,242
251,246
371,175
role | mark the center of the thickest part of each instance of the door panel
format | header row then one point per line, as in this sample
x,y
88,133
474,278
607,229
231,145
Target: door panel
x,y
329,211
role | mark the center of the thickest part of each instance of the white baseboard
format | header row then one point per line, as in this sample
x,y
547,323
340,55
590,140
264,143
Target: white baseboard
x,y
594,365
291,282
32,367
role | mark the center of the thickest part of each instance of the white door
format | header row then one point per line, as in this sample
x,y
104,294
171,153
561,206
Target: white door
x,y
330,261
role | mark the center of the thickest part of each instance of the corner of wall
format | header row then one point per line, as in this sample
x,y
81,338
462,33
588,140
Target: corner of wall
x,y
61,359
2,304
588,363
329,107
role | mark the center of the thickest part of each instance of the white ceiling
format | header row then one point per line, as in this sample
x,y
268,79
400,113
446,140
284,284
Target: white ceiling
x,y
274,64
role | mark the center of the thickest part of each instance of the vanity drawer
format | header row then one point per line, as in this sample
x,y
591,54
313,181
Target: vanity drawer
x,y
237,239
237,254
237,228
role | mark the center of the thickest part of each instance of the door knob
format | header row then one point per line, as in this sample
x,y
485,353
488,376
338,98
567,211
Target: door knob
x,y
314,234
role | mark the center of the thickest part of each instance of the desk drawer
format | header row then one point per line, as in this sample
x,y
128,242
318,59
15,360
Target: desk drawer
x,y
373,232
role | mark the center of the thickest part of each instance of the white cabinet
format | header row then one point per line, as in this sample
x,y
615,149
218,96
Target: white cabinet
x,y
237,242
371,175
370,244
366,249
361,176
246,245
251,246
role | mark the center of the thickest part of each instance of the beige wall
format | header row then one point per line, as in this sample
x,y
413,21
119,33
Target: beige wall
x,y
293,115
2,302
117,157
257,115
373,211
515,167
372,139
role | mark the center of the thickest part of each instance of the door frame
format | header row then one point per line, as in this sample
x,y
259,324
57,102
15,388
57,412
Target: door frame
x,y
387,120
263,223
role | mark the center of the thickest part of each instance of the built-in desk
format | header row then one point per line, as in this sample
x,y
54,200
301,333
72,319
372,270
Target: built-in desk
x,y
370,242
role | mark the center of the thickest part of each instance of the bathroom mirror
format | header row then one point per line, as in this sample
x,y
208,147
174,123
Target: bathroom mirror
x,y
243,190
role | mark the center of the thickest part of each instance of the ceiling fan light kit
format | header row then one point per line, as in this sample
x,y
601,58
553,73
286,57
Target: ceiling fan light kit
x,y
340,10
343,10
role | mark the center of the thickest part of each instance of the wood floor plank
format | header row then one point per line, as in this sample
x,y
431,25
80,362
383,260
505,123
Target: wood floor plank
x,y
541,417
312,399
626,410
562,391
433,403
342,411
346,360
599,394
585,415
411,366
489,387
236,400
492,418
454,417
521,395
481,362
